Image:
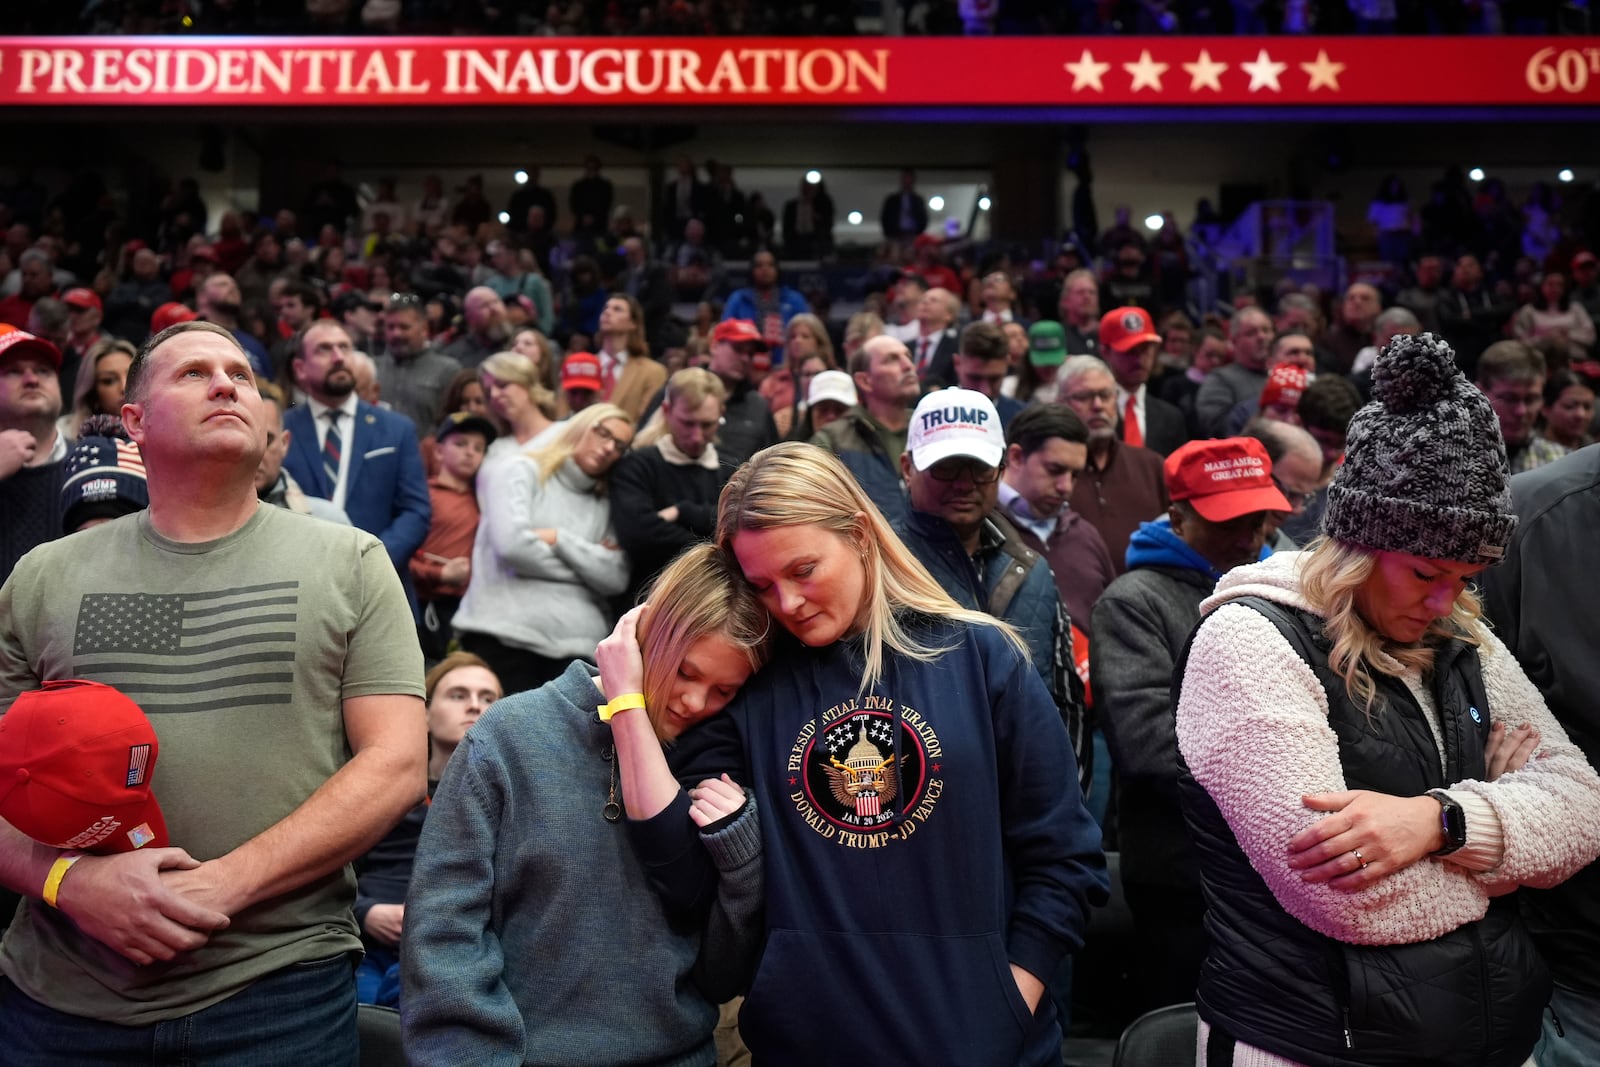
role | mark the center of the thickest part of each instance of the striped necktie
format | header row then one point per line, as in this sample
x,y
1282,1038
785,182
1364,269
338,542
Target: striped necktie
x,y
332,447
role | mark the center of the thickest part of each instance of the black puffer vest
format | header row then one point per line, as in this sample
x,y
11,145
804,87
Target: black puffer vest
x,y
1473,996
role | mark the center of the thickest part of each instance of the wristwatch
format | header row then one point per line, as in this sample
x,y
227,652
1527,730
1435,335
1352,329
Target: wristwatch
x,y
1452,820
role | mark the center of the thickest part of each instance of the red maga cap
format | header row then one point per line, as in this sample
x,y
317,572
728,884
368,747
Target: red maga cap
x,y
738,331
22,343
80,299
76,759
581,370
1122,328
1224,479
170,314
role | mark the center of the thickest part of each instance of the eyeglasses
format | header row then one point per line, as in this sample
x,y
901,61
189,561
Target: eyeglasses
x,y
1104,396
976,472
617,444
1297,501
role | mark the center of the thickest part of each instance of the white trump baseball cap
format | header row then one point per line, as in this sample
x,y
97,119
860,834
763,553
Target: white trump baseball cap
x,y
955,422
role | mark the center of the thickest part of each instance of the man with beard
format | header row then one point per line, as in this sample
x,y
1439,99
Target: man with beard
x,y
1122,485
362,458
487,332
412,374
218,300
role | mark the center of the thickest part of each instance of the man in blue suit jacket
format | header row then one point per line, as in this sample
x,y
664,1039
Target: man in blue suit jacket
x,y
373,469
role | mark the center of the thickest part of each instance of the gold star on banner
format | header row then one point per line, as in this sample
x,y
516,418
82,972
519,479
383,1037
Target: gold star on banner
x,y
1324,72
1086,72
1264,72
1147,72
1205,73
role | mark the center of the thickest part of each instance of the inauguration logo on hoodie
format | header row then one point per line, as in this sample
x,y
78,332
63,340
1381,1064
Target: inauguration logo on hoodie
x,y
854,782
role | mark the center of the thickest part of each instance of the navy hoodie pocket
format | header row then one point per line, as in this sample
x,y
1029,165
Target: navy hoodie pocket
x,y
886,997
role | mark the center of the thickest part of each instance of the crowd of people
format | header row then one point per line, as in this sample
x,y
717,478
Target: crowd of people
x,y
827,17
905,594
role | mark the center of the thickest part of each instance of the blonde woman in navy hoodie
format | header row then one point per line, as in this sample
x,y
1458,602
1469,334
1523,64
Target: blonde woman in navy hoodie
x,y
928,860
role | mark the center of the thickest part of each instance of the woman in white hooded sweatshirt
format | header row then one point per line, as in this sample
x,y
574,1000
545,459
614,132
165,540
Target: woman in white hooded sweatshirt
x,y
1368,773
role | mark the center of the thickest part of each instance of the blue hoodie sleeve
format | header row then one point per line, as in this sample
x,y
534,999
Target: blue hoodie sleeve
x,y
669,845
1052,843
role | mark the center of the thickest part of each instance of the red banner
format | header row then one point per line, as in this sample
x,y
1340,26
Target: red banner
x,y
769,71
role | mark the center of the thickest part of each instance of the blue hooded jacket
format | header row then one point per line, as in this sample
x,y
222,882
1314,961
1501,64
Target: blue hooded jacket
x,y
1154,544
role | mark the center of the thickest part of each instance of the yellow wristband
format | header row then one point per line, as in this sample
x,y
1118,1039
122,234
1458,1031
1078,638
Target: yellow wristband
x,y
625,702
58,871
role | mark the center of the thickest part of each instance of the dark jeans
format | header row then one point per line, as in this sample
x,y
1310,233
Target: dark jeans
x,y
303,1015
518,669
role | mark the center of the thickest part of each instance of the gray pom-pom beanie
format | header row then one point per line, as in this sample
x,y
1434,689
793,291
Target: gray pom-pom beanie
x,y
1425,469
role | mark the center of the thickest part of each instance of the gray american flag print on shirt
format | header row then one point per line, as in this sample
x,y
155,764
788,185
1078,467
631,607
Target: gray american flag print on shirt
x,y
188,652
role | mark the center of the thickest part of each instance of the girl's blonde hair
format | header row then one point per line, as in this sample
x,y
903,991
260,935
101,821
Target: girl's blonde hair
x,y
796,484
518,369
548,460
1331,574
700,594
692,384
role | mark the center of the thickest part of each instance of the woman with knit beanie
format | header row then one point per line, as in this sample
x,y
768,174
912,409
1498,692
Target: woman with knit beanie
x,y
1366,771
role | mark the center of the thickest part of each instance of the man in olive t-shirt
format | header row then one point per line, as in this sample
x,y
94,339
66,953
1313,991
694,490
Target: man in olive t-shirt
x,y
276,659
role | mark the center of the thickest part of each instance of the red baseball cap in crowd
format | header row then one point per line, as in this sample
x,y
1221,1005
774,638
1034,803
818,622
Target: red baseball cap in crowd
x,y
1224,479
79,299
18,342
1122,328
1286,383
170,314
738,332
581,370
76,759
